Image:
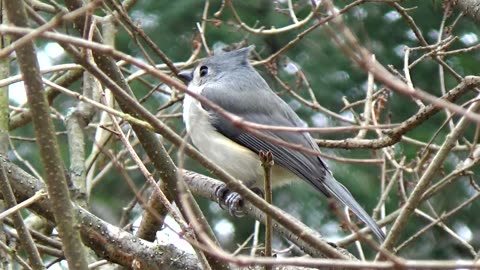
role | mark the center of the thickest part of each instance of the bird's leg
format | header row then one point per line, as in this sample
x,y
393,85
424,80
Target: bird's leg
x,y
232,200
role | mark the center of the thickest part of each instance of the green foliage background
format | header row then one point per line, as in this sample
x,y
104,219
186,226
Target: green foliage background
x,y
332,75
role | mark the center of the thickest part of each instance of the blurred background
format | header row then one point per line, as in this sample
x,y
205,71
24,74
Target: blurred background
x,y
316,63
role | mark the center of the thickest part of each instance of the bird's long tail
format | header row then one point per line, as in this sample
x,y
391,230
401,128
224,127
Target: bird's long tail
x,y
341,193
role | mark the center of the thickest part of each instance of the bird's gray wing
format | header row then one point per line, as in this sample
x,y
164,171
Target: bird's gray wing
x,y
266,108
275,112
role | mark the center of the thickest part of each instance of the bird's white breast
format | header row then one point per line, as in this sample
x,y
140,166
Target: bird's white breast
x,y
237,160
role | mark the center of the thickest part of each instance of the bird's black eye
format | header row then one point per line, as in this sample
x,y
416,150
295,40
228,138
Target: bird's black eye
x,y
203,71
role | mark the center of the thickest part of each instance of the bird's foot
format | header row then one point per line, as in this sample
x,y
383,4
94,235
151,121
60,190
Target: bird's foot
x,y
232,200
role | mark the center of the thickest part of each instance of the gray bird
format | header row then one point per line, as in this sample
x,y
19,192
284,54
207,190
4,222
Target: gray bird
x,y
228,80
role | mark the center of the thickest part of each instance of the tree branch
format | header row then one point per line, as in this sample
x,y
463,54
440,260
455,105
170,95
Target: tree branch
x,y
469,7
105,239
426,178
47,141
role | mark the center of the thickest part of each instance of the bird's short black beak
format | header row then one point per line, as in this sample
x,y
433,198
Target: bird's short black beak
x,y
186,76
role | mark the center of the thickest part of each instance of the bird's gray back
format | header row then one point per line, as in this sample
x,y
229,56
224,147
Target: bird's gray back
x,y
266,108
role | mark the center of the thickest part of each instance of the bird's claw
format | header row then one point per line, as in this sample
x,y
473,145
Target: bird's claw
x,y
231,200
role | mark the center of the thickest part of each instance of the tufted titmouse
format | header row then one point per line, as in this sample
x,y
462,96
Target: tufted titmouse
x,y
228,80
